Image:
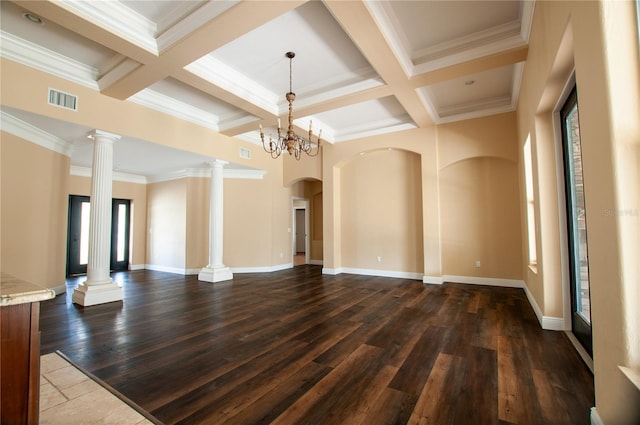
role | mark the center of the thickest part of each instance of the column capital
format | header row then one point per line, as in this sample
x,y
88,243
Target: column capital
x,y
103,135
218,163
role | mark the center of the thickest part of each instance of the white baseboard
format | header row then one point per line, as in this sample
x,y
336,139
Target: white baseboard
x,y
552,323
136,267
595,418
316,262
60,289
488,281
175,270
373,272
434,280
546,322
262,269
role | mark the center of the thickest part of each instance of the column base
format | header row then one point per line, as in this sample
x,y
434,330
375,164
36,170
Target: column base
x,y
215,274
87,295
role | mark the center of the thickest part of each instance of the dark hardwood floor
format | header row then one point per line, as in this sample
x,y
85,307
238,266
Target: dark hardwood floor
x,y
297,347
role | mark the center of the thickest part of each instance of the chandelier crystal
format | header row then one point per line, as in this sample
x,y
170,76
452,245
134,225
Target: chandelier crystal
x,y
290,141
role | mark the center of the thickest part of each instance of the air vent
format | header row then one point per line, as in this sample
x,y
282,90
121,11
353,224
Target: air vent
x,y
63,100
245,153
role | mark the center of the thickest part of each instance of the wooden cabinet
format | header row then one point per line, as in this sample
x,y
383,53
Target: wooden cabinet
x,y
20,350
20,363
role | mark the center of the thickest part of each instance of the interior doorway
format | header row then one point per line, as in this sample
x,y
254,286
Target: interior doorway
x,y
300,239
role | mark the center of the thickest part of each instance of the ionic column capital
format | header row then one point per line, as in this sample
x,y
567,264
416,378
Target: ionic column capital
x,y
218,163
103,136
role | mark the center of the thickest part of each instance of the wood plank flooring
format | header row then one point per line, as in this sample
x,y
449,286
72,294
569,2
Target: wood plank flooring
x,y
299,347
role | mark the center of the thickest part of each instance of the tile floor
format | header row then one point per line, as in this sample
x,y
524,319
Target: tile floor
x,y
68,396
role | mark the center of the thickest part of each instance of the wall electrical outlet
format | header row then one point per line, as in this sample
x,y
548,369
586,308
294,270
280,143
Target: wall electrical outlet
x,y
379,258
478,263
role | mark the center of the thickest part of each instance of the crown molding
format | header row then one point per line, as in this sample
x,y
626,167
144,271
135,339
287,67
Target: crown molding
x,y
518,70
117,18
193,18
80,171
481,43
118,72
390,125
235,120
45,60
216,72
500,109
228,173
526,19
237,173
171,106
427,101
387,25
471,107
324,93
498,105
26,131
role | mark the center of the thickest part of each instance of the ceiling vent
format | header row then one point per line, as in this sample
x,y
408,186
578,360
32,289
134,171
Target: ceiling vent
x,y
63,100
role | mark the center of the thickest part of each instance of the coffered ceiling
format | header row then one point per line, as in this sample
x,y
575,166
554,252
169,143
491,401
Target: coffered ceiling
x,y
361,67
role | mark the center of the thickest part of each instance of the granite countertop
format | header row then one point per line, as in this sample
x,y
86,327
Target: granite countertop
x,y
17,291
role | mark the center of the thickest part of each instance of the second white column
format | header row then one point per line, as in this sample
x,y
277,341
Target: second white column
x,y
216,271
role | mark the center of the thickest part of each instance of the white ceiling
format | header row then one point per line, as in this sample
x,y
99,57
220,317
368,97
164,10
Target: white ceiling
x,y
361,67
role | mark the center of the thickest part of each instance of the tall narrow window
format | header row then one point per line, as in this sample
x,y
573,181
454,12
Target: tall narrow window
x,y
531,201
576,222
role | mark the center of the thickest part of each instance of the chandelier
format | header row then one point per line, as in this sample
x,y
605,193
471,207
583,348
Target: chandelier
x,y
290,141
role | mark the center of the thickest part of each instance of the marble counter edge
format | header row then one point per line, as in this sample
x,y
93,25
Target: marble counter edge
x,y
14,291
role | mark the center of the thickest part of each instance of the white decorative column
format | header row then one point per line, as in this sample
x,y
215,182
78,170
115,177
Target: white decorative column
x,y
99,288
216,271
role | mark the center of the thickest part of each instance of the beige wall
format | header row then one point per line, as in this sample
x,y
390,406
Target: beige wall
x,y
479,197
484,151
598,40
247,217
381,212
166,220
305,168
480,218
492,136
247,223
35,183
197,223
419,141
25,88
137,194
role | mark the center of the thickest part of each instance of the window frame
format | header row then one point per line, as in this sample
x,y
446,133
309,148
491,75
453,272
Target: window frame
x,y
532,240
